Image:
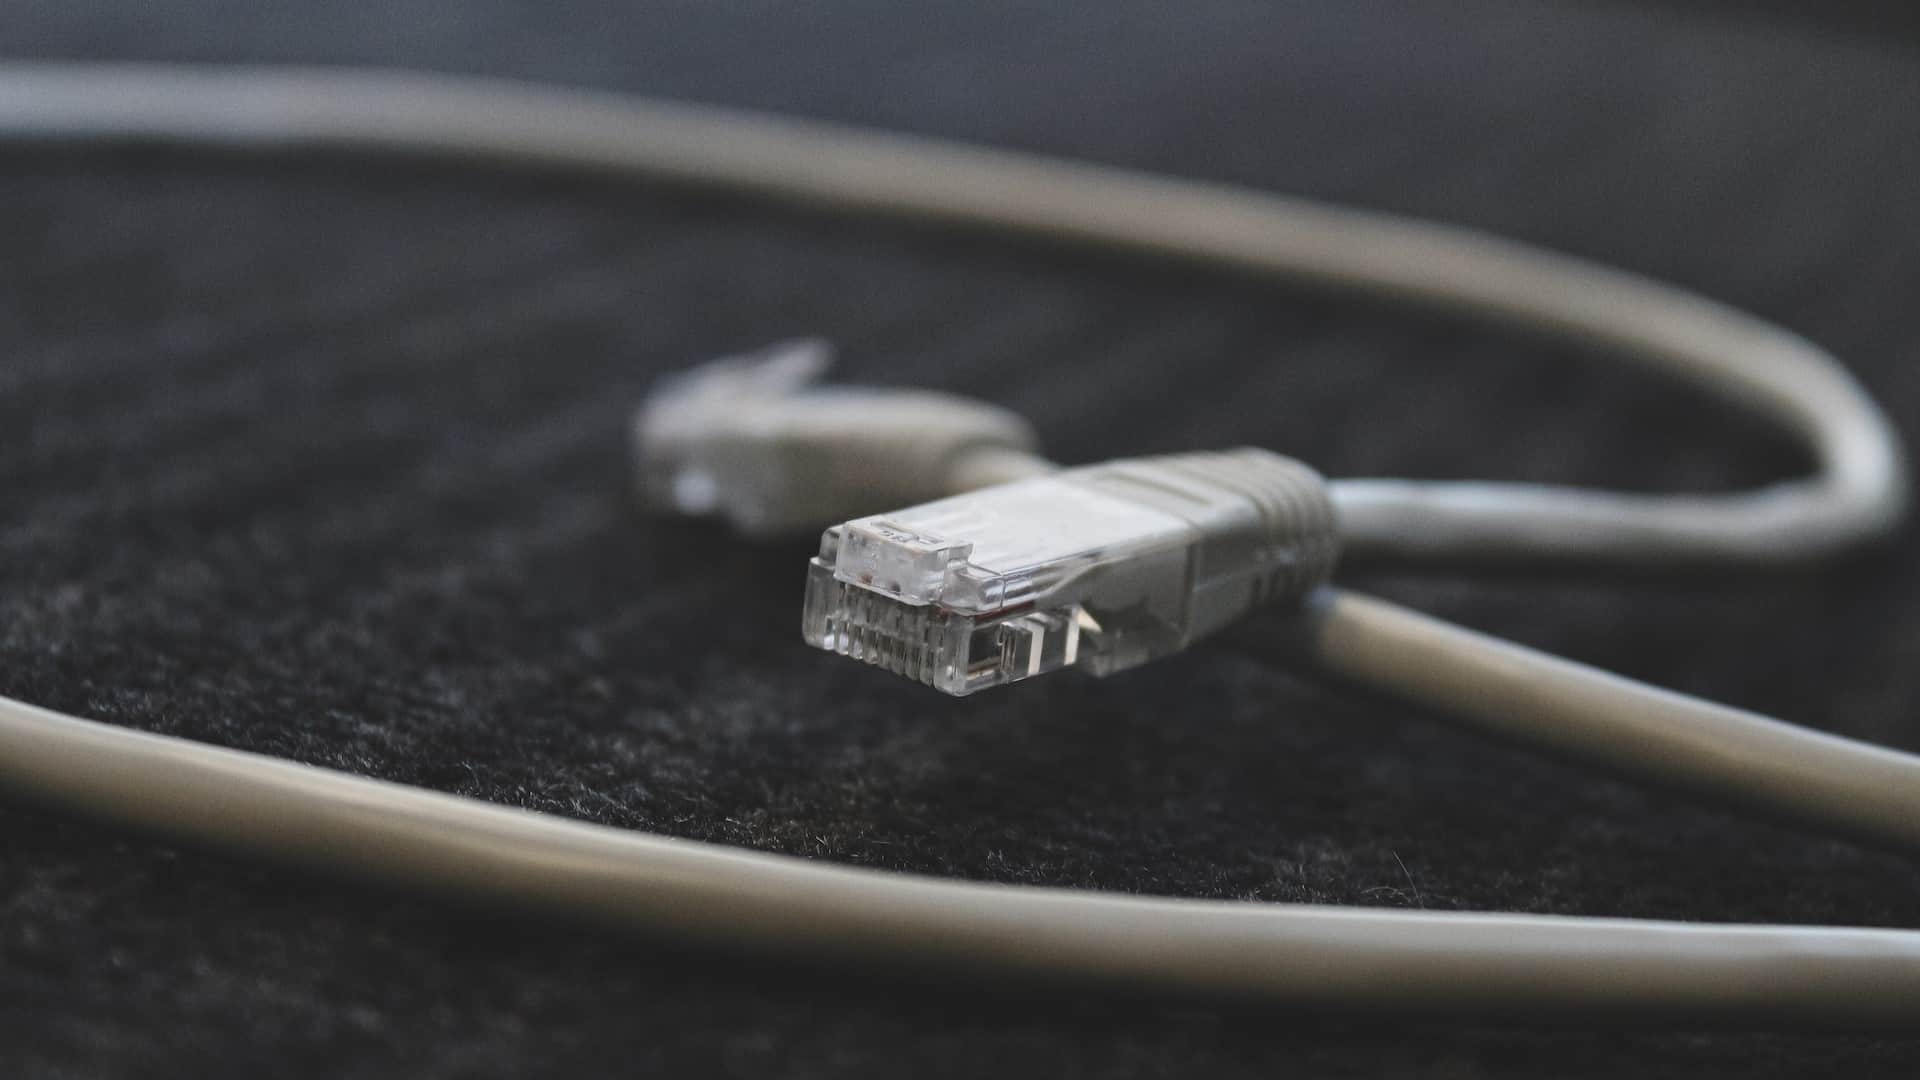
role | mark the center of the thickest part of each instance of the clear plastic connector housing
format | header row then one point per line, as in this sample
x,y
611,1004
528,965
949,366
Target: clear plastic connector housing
x,y
1102,567
757,440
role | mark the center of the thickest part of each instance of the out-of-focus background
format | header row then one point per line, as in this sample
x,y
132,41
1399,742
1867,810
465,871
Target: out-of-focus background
x,y
325,458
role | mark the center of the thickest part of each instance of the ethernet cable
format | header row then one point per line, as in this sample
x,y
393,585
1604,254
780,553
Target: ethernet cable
x,y
1159,553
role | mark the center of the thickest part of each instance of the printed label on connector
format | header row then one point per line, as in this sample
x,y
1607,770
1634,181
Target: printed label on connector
x,y
892,559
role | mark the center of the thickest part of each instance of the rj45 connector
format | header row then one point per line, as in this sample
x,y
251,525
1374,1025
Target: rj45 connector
x,y
1102,567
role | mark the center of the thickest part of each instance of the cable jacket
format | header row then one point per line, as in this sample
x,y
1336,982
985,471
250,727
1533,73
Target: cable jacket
x,y
1504,966
1716,751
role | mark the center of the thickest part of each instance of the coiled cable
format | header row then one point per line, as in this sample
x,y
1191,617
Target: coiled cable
x,y
1429,963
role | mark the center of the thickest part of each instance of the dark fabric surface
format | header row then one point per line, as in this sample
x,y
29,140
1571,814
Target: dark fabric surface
x,y
324,458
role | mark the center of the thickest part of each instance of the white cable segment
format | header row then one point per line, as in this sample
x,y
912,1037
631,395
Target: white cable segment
x,y
1490,965
1710,750
846,918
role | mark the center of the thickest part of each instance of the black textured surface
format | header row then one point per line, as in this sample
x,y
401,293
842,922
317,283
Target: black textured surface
x,y
324,458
